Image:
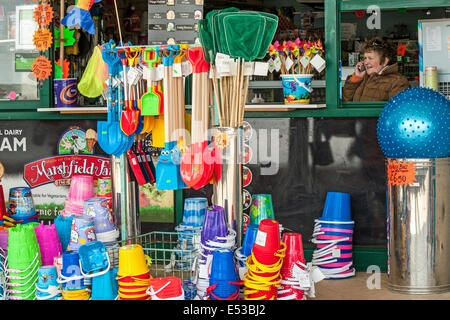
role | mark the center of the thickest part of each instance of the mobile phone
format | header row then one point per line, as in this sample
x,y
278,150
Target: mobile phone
x,y
362,68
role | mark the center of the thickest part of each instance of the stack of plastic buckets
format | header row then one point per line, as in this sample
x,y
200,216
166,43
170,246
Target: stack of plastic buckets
x,y
241,254
105,229
293,261
104,190
73,286
133,274
215,235
81,188
63,227
49,244
224,280
95,265
264,264
189,229
47,287
83,231
166,288
333,235
20,205
261,208
24,260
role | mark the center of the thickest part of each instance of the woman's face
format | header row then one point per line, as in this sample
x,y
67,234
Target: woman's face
x,y
372,62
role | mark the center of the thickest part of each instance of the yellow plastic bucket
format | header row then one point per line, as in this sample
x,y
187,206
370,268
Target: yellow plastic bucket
x,y
132,261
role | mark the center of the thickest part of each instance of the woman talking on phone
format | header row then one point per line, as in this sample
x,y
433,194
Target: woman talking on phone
x,y
376,78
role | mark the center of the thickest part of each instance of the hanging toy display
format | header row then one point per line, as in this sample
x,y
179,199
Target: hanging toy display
x,y
80,15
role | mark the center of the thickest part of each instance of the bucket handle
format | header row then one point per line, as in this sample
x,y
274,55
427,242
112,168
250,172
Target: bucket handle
x,y
98,273
52,290
20,298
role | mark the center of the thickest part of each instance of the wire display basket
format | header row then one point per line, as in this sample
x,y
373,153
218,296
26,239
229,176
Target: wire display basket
x,y
171,253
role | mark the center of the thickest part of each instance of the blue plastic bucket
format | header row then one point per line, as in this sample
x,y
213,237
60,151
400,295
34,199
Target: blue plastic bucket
x,y
337,207
296,88
66,93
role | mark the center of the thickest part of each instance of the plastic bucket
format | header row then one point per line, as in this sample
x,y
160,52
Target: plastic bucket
x,y
249,239
223,266
132,261
165,288
83,231
63,227
22,247
261,208
267,242
98,208
21,203
72,278
103,287
66,93
81,188
294,249
49,243
296,88
215,224
337,207
104,189
194,211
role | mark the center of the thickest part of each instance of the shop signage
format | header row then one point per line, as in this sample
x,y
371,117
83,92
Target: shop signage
x,y
400,173
53,169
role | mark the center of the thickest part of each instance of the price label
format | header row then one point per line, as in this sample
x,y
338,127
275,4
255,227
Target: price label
x,y
400,173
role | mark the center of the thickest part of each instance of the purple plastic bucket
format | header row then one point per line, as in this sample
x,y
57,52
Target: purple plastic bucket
x,y
215,224
66,93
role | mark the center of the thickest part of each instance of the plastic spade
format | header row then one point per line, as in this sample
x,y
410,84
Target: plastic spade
x,y
129,116
150,100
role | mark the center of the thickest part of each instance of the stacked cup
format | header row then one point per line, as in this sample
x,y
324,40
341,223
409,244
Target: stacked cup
x,y
105,229
166,288
133,274
20,205
243,252
63,227
293,261
24,260
264,264
83,231
224,280
49,245
81,188
333,236
188,231
73,286
215,235
104,190
47,287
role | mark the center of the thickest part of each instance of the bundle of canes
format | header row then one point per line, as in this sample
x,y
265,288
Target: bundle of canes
x,y
264,264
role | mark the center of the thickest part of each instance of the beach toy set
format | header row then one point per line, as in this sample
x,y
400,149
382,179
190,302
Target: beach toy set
x,y
264,264
166,288
81,188
49,244
215,235
293,264
71,279
23,262
224,281
47,287
333,236
104,225
188,231
21,207
133,274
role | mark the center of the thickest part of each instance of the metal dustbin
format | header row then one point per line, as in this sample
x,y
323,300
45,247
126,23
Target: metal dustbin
x,y
419,229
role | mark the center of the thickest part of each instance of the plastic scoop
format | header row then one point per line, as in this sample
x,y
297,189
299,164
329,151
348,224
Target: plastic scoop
x,y
150,100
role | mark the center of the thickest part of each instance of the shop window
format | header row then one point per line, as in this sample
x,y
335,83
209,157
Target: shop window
x,y
397,28
17,52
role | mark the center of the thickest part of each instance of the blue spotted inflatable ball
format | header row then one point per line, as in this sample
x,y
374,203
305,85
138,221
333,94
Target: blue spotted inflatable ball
x,y
415,123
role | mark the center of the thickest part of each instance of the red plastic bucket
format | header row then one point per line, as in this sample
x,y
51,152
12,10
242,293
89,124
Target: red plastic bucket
x,y
267,242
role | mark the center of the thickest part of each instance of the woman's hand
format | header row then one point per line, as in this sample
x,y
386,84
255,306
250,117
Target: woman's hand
x,y
358,73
